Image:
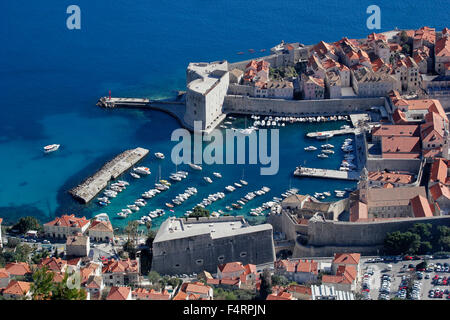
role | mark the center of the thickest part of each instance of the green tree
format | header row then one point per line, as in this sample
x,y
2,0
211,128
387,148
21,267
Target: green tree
x,y
198,212
423,230
406,49
63,292
22,253
278,280
401,243
266,285
403,37
26,224
154,277
42,286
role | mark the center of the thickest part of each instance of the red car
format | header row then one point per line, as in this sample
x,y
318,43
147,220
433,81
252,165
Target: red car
x,y
407,258
444,282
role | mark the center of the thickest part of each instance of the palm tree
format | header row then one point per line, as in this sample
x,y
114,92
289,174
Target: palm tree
x,y
42,285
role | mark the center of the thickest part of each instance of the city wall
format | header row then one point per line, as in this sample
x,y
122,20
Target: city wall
x,y
263,106
379,164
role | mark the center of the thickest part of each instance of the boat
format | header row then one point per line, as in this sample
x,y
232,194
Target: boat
x,y
322,155
159,155
142,170
165,182
327,146
207,179
217,175
323,136
102,203
310,148
238,185
122,215
230,188
327,193
243,182
135,175
195,166
240,52
328,151
169,205
51,148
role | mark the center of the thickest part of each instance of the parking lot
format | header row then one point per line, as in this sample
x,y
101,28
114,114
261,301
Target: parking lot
x,y
384,280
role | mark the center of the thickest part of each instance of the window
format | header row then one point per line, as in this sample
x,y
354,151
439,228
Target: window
x,y
177,265
199,261
221,258
243,254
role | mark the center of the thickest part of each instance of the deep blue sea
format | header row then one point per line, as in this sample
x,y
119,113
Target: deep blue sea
x,y
51,78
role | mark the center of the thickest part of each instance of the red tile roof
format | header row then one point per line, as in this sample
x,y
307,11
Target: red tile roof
x,y
118,293
400,145
439,190
18,268
346,258
152,294
421,207
396,130
68,221
4,273
439,170
101,226
120,266
53,264
18,288
231,267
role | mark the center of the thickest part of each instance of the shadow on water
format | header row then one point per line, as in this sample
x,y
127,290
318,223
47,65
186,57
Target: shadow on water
x,y
13,213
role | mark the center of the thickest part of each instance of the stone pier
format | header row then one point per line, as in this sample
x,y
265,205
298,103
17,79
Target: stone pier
x,y
90,187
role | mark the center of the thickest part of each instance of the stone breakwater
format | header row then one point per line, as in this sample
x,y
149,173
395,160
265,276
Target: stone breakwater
x,y
90,187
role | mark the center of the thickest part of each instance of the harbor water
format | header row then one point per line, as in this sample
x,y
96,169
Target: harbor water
x,y
51,78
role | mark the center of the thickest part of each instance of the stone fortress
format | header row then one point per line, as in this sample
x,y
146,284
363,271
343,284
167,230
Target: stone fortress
x,y
191,245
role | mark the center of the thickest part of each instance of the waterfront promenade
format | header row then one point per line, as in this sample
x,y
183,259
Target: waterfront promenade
x,y
326,173
89,188
331,133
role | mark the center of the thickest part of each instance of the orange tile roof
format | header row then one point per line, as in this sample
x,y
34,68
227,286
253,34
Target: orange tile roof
x,y
425,33
4,273
439,170
152,294
68,221
18,268
197,287
396,130
101,226
393,177
231,267
18,288
118,293
400,145
279,296
53,264
421,207
346,258
299,289
120,266
438,190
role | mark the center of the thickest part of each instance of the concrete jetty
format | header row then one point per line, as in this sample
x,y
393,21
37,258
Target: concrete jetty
x,y
331,133
90,187
326,173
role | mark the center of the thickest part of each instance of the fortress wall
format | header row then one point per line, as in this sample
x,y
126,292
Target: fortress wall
x,y
243,104
362,234
239,89
329,251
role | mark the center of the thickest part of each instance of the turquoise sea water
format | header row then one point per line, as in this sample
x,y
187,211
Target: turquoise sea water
x,y
51,77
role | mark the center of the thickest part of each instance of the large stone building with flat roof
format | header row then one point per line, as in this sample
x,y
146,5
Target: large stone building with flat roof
x,y
191,245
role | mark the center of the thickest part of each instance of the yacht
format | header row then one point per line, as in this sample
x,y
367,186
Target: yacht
x,y
142,170
169,205
217,175
51,148
135,175
243,182
175,177
207,179
195,166
238,185
122,215
310,148
324,136
328,151
159,155
327,146
230,188
322,155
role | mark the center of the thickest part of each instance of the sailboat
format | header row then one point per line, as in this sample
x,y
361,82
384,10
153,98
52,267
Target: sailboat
x,y
242,181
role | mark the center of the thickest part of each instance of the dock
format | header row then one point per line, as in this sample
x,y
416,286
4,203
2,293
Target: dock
x,y
90,187
326,173
332,133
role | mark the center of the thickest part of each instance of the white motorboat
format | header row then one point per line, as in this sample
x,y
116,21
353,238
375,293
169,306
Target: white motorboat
x,y
51,148
135,175
195,166
238,185
322,155
122,215
142,170
310,148
159,155
243,182
207,179
217,175
327,146
230,188
328,151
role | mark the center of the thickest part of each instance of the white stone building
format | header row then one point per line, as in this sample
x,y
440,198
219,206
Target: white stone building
x,y
442,56
65,226
77,246
207,85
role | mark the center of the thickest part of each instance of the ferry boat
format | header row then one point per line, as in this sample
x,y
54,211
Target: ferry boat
x,y
195,166
310,148
217,175
159,155
51,148
142,170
